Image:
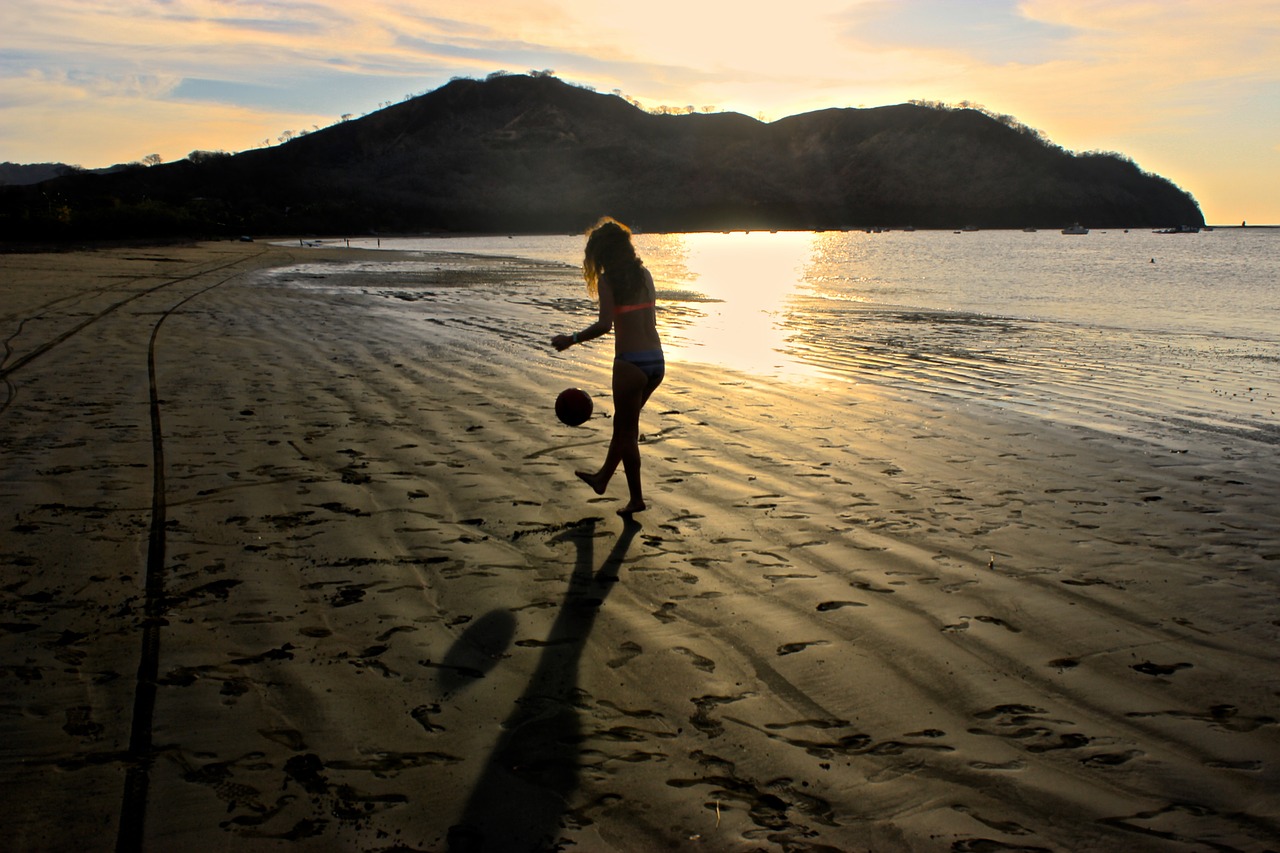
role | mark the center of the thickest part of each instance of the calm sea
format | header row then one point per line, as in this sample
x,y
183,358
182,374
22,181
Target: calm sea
x,y
1127,331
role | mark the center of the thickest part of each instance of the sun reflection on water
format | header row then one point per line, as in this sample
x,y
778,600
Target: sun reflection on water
x,y
725,296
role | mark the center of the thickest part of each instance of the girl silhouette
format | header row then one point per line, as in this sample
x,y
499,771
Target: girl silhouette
x,y
627,297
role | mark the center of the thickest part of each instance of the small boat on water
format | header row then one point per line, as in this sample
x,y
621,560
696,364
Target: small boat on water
x,y
1075,229
1181,229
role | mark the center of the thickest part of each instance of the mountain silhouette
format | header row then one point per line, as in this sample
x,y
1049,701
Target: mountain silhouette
x,y
534,154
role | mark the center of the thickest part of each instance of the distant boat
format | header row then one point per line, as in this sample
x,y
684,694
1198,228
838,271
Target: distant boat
x,y
1076,229
1028,230
970,228
1181,229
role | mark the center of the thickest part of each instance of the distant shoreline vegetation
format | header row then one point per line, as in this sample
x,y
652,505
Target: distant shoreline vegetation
x,y
533,154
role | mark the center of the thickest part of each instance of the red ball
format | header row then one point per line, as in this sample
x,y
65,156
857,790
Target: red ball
x,y
573,406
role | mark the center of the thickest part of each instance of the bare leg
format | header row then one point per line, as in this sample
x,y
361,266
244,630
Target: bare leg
x,y
630,391
631,448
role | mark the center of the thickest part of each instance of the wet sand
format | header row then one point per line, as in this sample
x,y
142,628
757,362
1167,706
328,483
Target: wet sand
x,y
283,565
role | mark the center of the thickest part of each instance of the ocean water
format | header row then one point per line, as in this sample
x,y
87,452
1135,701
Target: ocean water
x,y
1125,331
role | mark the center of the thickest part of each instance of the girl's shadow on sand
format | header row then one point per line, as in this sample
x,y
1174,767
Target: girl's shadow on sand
x,y
534,768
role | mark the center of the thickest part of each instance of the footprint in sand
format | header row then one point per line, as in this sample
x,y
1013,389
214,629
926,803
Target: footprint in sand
x,y
391,632
827,606
289,738
1111,759
422,715
788,576
1149,668
628,651
778,808
80,723
1038,733
793,648
704,664
1223,717
702,719
1008,827
992,620
1085,582
1071,740
963,625
663,613
1015,764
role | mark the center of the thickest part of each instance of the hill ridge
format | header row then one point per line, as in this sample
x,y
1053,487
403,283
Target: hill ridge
x,y
518,153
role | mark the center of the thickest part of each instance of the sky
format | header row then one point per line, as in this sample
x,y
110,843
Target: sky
x,y
1188,89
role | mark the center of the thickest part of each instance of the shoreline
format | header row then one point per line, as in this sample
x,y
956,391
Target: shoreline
x,y
865,619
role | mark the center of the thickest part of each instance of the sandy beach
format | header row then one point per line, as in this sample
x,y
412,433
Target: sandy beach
x,y
281,573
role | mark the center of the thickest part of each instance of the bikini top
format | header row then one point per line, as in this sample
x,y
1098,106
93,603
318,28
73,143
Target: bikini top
x,y
625,309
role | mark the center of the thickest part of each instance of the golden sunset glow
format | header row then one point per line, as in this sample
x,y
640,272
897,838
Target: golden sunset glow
x,y
1189,90
743,282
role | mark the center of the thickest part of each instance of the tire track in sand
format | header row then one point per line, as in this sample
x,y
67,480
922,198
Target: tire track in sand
x,y
141,755
42,349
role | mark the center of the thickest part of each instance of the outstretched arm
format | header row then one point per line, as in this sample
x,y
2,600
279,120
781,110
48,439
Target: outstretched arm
x,y
602,325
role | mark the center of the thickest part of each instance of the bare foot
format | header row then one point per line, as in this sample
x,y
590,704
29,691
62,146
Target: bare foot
x,y
632,508
593,481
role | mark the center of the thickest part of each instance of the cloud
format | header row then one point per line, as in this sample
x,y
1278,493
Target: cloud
x,y
1159,80
62,88
61,121
272,26
146,86
989,31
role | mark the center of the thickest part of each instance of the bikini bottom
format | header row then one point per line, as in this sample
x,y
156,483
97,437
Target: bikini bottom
x,y
650,362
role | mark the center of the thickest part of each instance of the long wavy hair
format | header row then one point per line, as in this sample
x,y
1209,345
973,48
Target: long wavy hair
x,y
610,253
